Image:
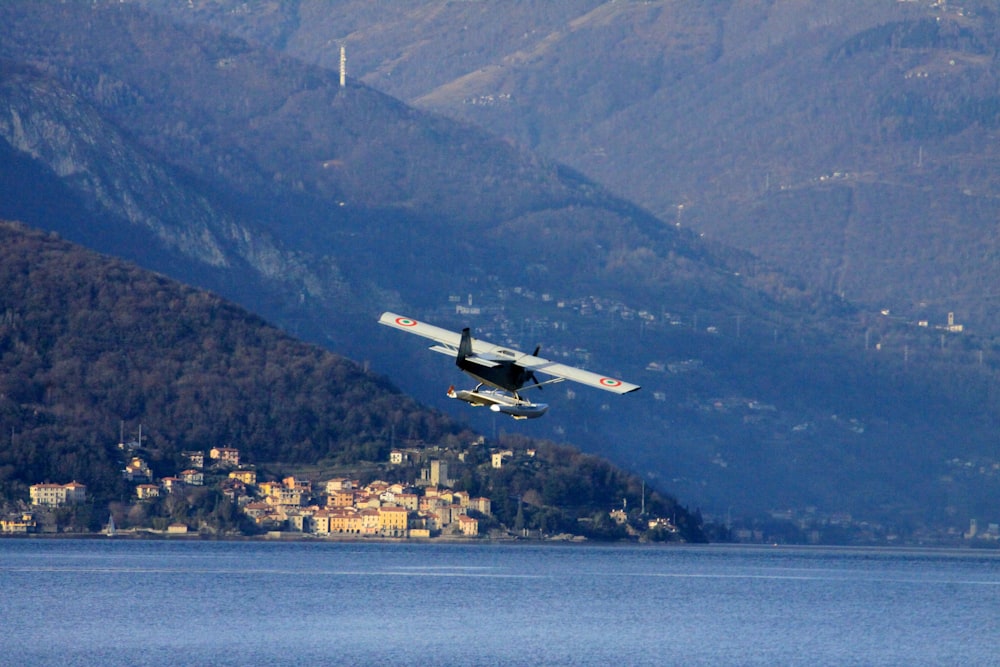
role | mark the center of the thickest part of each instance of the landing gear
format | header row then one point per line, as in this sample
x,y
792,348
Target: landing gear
x,y
498,400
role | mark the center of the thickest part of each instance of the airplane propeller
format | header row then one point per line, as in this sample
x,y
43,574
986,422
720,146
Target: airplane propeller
x,y
530,375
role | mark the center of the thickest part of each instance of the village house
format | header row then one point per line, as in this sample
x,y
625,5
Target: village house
x,y
441,509
300,519
365,500
236,491
468,525
392,494
303,485
258,511
341,484
371,519
25,523
435,500
345,521
76,492
193,477
377,487
137,469
410,501
225,455
57,494
244,475
662,523
448,514
428,521
393,521
194,459
147,491
481,505
129,446
340,498
318,523
276,493
497,458
270,487
172,484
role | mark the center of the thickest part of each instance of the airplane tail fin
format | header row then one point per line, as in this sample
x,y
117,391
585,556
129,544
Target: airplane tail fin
x,y
464,346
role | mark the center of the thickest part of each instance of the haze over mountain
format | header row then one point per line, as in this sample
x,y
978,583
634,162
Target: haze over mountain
x,y
234,167
853,144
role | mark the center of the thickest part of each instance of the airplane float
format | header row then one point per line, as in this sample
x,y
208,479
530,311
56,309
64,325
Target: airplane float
x,y
504,371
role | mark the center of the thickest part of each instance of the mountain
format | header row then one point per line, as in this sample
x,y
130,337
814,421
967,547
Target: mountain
x,y
225,164
851,145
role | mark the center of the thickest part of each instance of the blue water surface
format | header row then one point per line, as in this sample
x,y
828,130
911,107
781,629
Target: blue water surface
x,y
131,602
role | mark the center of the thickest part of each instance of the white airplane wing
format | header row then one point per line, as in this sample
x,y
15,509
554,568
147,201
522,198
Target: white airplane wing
x,y
447,340
575,374
488,354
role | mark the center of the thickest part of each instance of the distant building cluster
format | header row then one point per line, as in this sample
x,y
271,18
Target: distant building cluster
x,y
138,470
340,506
43,496
428,507
22,523
952,325
991,533
377,509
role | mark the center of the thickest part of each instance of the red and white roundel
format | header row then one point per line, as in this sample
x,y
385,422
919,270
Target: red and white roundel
x,y
611,382
406,322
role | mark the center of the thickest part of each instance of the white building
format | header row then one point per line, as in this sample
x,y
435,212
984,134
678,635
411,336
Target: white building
x,y
57,494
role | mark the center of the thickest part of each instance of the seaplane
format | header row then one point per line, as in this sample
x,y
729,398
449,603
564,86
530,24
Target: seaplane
x,y
503,373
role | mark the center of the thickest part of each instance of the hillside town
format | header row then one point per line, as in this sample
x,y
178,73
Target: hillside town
x,y
425,507
340,506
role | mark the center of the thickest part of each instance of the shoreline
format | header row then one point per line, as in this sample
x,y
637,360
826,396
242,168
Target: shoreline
x,y
286,537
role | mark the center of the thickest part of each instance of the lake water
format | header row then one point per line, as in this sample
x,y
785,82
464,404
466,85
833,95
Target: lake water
x,y
116,602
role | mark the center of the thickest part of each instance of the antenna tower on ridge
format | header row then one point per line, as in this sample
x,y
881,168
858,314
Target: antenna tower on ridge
x,y
343,65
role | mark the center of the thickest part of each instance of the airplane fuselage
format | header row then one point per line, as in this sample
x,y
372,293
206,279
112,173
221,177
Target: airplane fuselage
x,y
505,376
501,373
